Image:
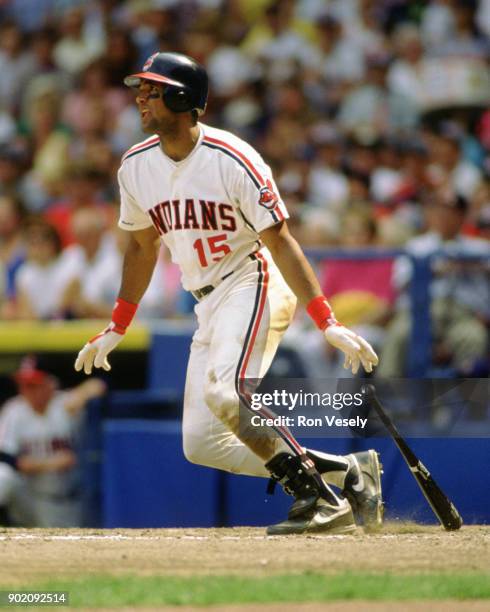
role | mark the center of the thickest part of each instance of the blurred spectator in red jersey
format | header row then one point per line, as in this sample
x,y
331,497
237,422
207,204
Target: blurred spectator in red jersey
x,y
81,188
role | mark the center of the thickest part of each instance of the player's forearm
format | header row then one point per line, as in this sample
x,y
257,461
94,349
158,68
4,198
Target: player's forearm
x,y
292,263
77,398
31,465
59,462
138,265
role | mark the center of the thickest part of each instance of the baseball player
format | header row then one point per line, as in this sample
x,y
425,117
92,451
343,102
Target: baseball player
x,y
211,199
38,427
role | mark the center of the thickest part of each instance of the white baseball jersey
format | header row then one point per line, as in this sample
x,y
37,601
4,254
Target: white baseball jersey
x,y
208,208
24,431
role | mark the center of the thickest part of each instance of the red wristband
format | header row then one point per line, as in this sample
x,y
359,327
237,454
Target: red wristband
x,y
320,312
122,315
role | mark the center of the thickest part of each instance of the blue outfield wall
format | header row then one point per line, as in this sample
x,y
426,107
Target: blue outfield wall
x,y
147,482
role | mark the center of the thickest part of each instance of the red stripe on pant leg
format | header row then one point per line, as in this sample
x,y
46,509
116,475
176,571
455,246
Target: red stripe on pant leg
x,y
263,297
283,430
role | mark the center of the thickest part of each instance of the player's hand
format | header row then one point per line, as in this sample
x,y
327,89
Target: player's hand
x,y
94,353
356,350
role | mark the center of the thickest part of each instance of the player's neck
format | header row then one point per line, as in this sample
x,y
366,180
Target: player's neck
x,y
180,141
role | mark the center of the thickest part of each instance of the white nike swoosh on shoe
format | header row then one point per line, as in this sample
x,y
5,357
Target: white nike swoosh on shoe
x,y
360,485
320,519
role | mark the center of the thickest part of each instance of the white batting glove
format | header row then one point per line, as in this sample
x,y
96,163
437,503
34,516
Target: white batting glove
x,y
356,350
95,352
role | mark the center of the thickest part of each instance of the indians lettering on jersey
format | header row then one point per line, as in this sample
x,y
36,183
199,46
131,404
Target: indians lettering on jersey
x,y
209,209
193,214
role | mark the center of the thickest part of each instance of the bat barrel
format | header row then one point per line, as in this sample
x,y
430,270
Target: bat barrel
x,y
442,507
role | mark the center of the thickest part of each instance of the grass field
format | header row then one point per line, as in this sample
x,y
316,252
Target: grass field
x,y
407,566
212,590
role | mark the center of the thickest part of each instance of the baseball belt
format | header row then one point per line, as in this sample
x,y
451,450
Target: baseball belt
x,y
201,293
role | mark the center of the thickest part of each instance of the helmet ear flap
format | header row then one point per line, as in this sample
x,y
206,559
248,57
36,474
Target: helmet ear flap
x,y
177,99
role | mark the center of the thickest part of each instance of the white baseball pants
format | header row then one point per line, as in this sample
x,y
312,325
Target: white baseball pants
x,y
240,326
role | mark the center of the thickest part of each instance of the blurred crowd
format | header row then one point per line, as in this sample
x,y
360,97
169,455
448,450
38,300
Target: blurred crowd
x,y
372,113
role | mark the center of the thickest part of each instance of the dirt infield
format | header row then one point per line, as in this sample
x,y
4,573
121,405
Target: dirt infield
x,y
30,556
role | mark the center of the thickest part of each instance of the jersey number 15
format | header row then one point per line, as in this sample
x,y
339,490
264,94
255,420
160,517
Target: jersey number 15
x,y
217,248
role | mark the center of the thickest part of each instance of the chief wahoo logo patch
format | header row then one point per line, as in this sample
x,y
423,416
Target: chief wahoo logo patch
x,y
268,197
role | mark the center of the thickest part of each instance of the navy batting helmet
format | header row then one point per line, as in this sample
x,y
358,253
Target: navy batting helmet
x,y
186,81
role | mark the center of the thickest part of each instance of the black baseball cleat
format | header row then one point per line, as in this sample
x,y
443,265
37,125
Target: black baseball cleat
x,y
323,518
363,488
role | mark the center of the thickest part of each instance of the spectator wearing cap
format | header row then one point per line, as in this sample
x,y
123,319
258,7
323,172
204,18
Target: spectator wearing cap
x,y
459,292
39,484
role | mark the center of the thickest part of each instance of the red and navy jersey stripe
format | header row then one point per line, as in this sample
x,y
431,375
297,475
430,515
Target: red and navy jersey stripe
x,y
140,148
245,163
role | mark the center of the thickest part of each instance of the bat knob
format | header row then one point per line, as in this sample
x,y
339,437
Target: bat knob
x,y
368,390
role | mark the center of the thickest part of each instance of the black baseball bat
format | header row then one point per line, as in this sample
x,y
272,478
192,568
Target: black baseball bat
x,y
442,506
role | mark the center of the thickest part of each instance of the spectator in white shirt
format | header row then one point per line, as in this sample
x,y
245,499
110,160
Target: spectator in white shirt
x,y
41,281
